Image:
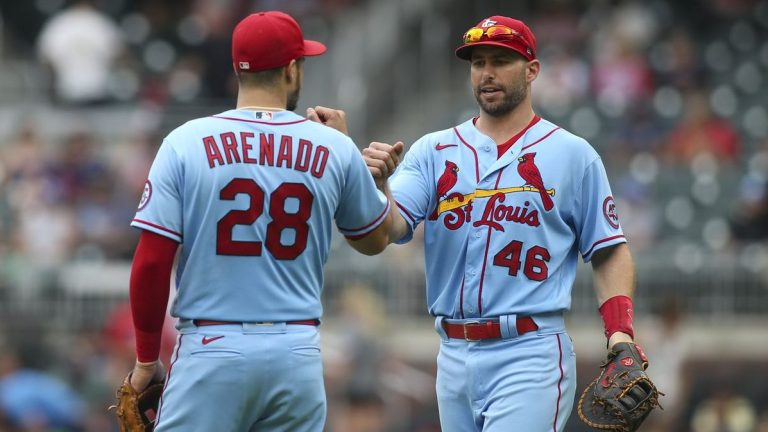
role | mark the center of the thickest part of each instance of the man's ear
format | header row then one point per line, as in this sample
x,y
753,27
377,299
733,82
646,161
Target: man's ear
x,y
292,72
532,70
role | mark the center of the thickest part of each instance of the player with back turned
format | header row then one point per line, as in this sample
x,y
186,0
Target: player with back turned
x,y
509,201
250,197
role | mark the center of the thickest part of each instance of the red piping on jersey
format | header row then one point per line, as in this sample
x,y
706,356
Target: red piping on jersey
x,y
405,210
377,219
559,382
540,139
474,152
461,298
485,257
161,228
602,241
168,378
260,122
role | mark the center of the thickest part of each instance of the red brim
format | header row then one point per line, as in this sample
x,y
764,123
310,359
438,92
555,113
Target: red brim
x,y
464,52
313,48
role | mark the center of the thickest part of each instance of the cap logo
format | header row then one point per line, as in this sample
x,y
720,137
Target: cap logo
x,y
487,23
245,65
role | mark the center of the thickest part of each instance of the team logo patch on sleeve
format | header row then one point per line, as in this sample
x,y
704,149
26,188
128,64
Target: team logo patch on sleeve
x,y
609,211
146,195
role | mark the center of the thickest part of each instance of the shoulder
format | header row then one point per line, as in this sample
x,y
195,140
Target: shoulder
x,y
564,141
428,142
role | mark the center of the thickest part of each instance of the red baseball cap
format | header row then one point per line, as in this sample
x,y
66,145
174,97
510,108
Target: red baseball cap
x,y
499,31
269,40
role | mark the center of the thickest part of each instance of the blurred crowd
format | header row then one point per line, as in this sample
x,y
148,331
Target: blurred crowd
x,y
673,94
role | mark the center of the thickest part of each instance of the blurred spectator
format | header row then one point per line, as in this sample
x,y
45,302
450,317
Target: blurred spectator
x,y
33,401
621,75
677,62
701,131
563,82
215,53
80,45
668,345
749,223
724,411
80,166
356,375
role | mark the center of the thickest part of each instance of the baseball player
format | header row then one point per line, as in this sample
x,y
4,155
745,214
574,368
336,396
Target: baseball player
x,y
248,197
509,201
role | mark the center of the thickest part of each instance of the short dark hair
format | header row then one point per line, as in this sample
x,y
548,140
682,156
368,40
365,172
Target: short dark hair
x,y
261,78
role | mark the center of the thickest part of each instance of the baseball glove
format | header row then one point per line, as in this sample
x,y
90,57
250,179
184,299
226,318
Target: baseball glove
x,y
136,411
623,395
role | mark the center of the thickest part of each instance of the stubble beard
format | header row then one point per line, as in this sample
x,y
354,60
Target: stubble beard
x,y
513,96
293,99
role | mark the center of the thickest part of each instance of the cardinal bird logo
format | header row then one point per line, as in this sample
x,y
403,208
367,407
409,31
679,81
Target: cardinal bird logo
x,y
530,173
447,179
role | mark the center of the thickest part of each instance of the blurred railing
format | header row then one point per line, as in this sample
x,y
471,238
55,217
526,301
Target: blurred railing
x,y
79,296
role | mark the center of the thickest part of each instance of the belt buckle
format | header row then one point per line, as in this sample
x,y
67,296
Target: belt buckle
x,y
467,324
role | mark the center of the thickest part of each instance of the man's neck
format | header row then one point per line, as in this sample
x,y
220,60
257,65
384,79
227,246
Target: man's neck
x,y
260,99
501,129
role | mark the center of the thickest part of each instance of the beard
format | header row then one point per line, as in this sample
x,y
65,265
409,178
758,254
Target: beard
x,y
512,96
293,99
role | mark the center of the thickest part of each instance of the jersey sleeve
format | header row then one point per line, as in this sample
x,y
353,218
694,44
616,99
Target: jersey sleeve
x,y
362,207
160,208
597,220
411,188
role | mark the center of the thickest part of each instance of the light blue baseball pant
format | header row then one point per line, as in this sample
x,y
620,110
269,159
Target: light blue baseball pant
x,y
244,377
523,383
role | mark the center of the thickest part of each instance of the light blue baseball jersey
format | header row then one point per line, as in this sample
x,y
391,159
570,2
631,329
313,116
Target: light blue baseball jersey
x,y
503,234
252,197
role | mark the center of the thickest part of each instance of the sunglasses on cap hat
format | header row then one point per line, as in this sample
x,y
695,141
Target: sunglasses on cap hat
x,y
495,32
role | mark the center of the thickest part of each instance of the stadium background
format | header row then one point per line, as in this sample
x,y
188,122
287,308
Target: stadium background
x,y
673,94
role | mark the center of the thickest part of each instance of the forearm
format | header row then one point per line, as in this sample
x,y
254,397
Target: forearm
x,y
398,227
614,283
149,288
614,273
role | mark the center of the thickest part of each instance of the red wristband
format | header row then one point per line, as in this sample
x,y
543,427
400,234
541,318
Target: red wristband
x,y
617,314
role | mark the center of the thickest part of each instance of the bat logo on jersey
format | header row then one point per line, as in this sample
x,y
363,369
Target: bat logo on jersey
x,y
145,195
609,211
530,173
459,206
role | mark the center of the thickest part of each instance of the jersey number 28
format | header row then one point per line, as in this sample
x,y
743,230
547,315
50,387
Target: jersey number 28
x,y
281,219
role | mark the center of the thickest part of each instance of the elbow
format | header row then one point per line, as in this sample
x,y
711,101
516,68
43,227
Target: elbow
x,y
373,243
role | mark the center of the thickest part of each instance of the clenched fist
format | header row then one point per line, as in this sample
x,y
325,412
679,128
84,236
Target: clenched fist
x,y
382,159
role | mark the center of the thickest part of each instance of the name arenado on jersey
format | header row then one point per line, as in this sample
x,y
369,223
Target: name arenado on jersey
x,y
236,148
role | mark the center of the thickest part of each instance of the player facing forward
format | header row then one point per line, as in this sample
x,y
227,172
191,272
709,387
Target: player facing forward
x,y
249,196
509,201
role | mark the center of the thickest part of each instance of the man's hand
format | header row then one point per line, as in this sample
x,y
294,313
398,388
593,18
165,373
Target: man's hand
x,y
382,159
330,117
622,396
145,373
138,397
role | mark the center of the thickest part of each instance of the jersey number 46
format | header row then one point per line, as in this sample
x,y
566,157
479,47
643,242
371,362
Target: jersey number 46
x,y
534,266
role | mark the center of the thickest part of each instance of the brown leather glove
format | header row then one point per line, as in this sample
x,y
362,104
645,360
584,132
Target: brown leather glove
x,y
136,411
